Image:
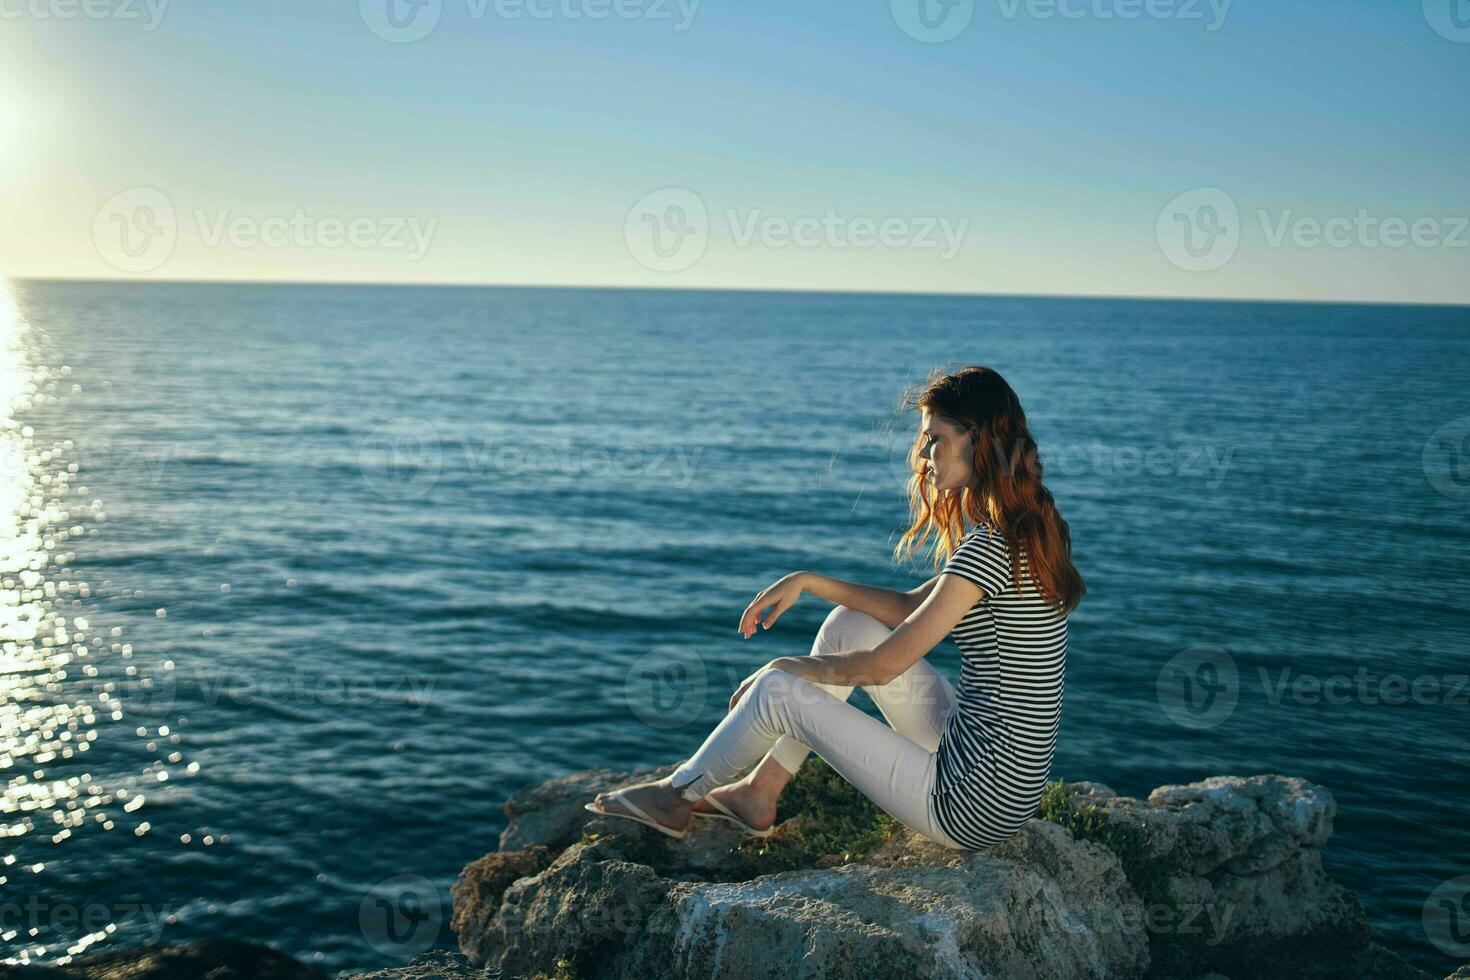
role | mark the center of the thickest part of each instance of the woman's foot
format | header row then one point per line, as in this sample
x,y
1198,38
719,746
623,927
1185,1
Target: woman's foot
x,y
751,802
659,799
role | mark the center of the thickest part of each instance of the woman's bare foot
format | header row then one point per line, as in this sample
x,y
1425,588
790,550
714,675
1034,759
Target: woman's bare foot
x,y
751,802
659,799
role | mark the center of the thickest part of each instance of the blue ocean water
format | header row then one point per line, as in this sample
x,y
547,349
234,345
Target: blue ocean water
x,y
301,582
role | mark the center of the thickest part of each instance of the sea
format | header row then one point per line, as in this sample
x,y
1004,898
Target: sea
x,y
298,583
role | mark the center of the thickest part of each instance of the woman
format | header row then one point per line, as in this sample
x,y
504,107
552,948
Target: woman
x,y
965,769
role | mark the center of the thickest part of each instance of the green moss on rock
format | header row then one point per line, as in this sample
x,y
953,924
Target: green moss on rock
x,y
821,821
1171,954
1086,821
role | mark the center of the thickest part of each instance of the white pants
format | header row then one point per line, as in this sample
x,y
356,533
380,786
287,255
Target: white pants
x,y
788,716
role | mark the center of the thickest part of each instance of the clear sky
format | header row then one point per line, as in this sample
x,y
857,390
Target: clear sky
x,y
1010,146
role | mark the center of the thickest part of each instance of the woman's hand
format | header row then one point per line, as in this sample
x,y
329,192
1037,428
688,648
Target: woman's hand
x,y
779,596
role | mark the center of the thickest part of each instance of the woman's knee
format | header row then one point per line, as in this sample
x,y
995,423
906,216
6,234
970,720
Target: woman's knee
x,y
780,692
774,682
770,696
846,628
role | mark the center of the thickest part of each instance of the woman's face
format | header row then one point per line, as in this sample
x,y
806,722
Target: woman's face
x,y
948,452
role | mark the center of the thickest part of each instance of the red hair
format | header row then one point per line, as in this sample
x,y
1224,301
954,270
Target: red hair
x,y
1006,490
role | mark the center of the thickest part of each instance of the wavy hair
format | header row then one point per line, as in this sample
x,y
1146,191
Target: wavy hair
x,y
1006,490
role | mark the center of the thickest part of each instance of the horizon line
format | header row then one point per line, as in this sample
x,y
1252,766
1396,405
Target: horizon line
x,y
88,280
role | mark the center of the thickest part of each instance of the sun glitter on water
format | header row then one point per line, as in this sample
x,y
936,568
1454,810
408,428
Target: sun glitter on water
x,y
47,725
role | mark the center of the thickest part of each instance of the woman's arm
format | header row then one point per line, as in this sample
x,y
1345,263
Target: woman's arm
x,y
937,615
885,605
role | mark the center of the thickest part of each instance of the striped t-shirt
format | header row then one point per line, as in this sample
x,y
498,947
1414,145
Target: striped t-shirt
x,y
997,747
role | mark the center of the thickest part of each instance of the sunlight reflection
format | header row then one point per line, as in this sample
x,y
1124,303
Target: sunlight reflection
x,y
43,724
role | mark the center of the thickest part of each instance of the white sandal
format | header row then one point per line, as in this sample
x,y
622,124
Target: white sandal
x,y
727,814
637,815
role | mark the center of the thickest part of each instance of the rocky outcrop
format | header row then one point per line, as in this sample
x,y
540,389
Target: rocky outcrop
x,y
1229,875
1222,876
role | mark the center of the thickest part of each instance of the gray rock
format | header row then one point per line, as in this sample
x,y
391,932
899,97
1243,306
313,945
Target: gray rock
x,y
436,964
1234,877
1221,877
1092,792
551,813
969,916
589,899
